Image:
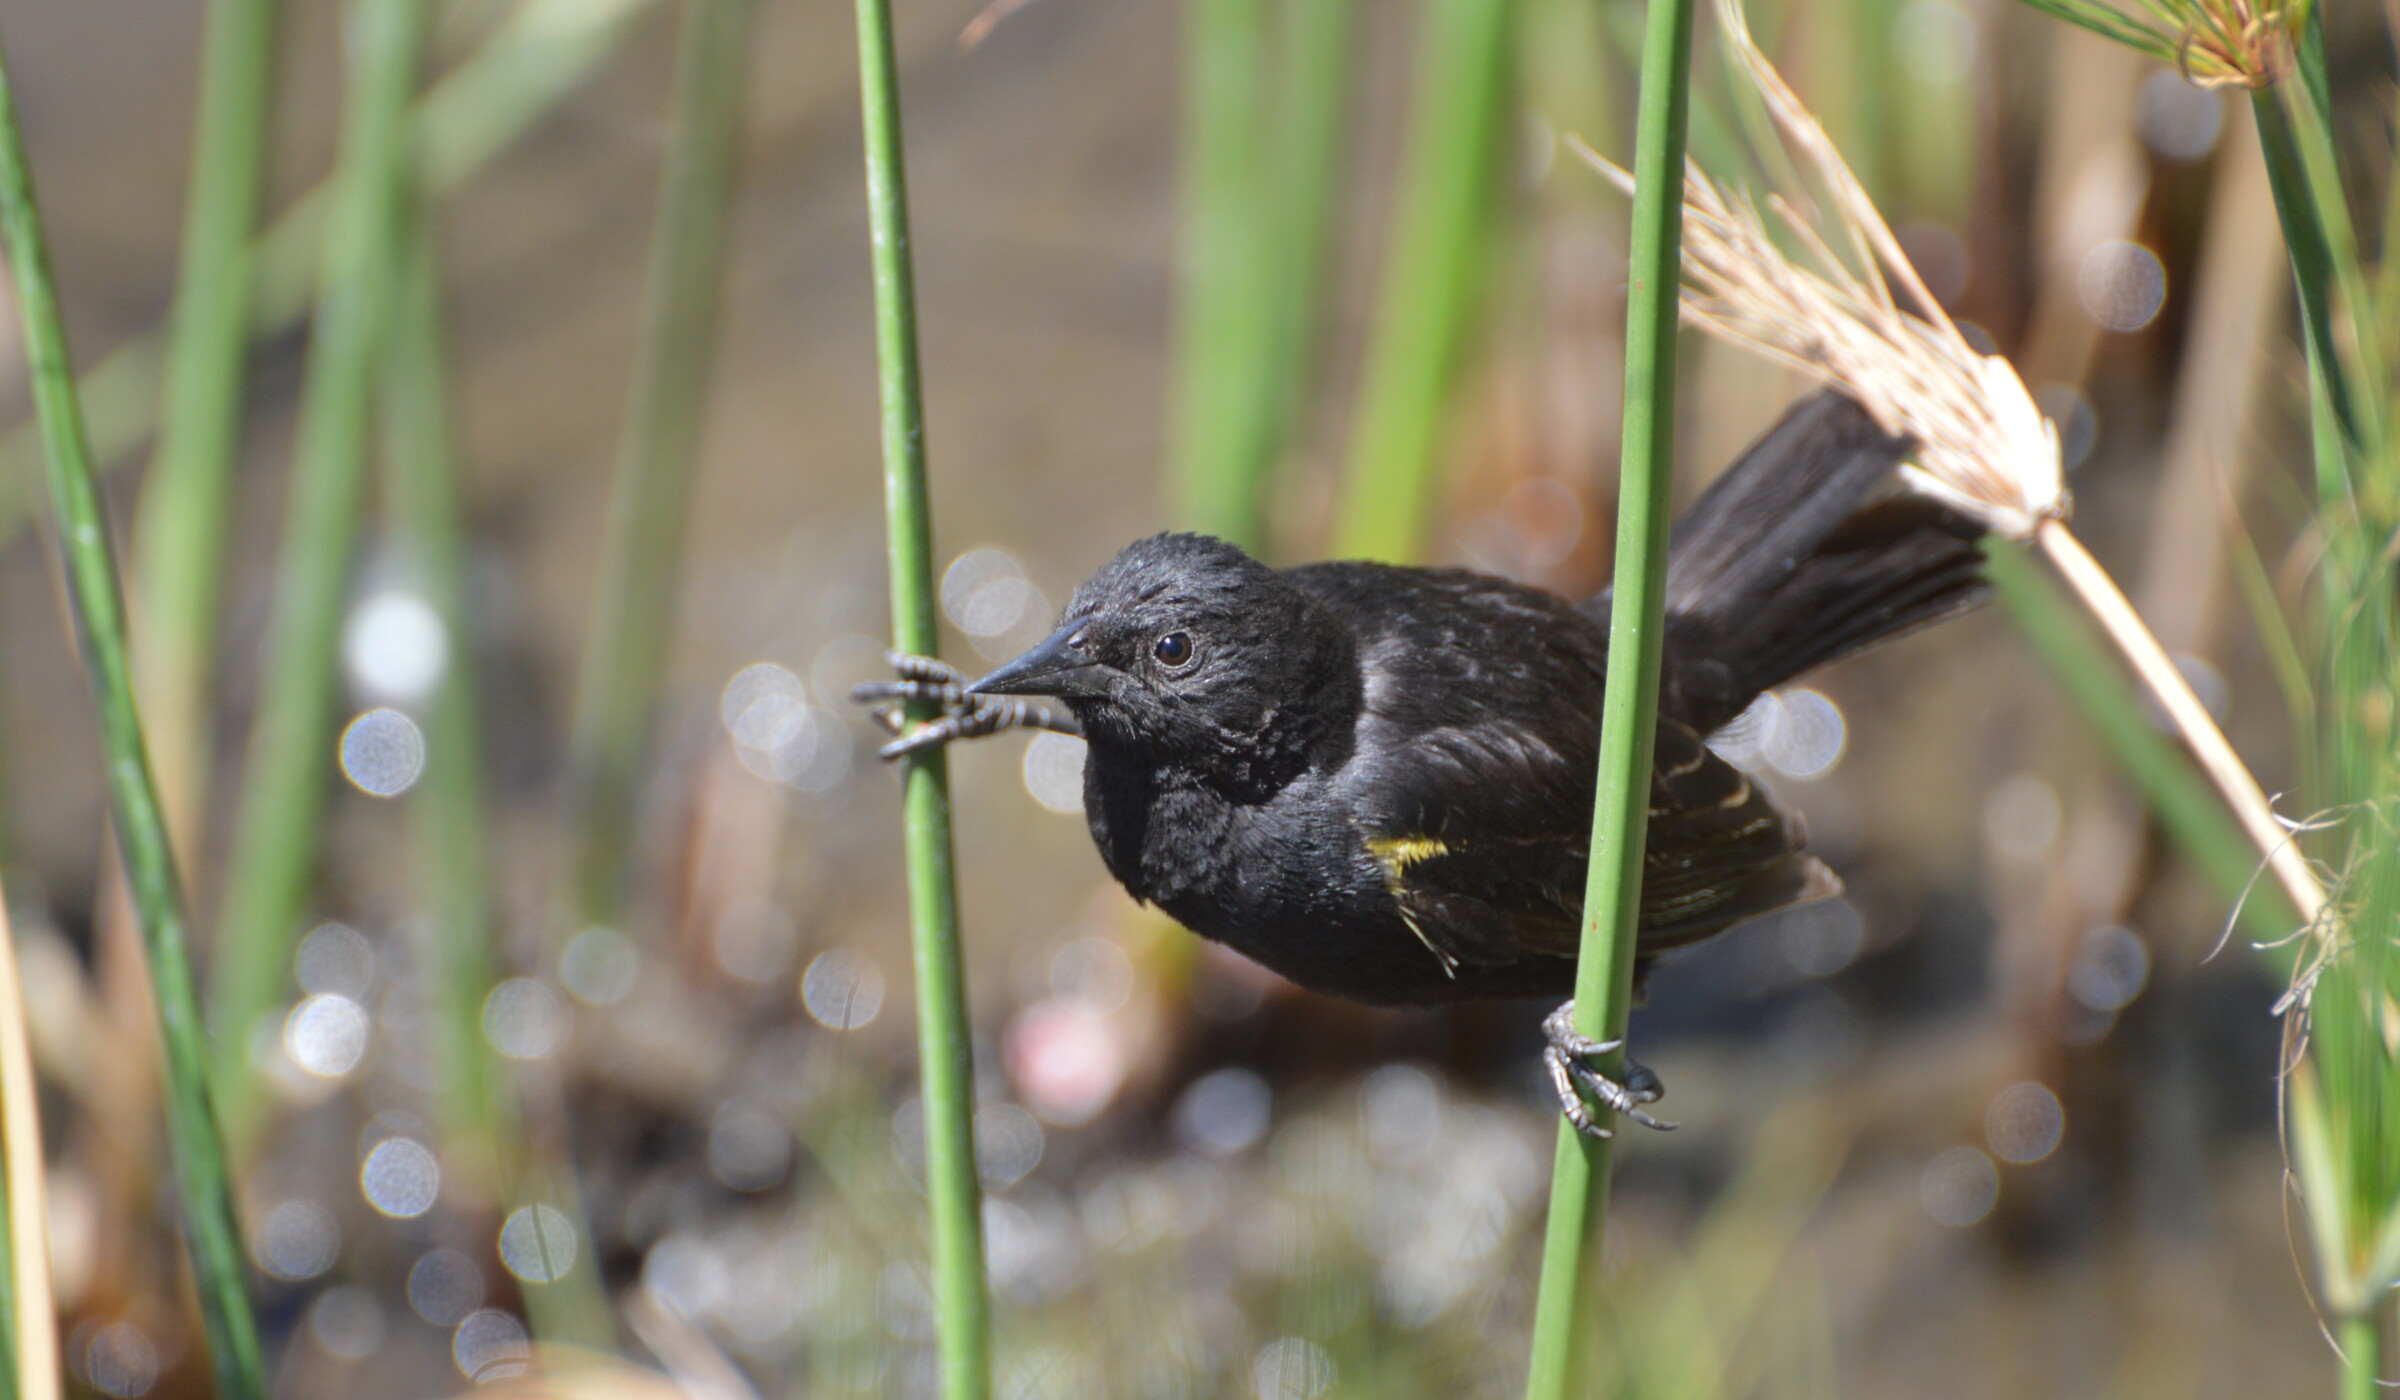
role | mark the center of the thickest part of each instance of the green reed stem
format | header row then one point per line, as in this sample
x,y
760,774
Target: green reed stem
x,y
1262,120
481,107
291,740
625,651
179,532
98,608
1317,40
1456,148
2323,248
451,833
2361,1353
1629,716
962,1310
482,1129
1218,452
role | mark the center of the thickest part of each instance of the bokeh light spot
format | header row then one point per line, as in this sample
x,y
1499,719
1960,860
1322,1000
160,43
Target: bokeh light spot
x,y
326,1035
600,966
2180,122
296,1240
748,1148
1008,1145
537,1243
1959,1187
842,990
1093,975
1820,939
2021,817
2122,285
401,1178
383,753
2024,1123
444,1286
1224,1112
1065,1065
121,1360
2110,969
524,1019
395,646
1401,1109
347,1322
490,1345
1808,735
1054,771
1290,1368
335,959
763,706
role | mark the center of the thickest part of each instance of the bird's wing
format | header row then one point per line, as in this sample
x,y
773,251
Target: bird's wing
x,y
1473,775
1484,847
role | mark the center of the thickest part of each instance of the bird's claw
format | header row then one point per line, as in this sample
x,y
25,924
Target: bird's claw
x,y
926,681
1579,1082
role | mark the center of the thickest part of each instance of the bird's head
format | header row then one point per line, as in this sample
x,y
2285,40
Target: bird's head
x,y
1185,649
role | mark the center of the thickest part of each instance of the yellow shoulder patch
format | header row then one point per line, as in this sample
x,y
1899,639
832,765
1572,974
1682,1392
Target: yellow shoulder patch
x,y
1398,853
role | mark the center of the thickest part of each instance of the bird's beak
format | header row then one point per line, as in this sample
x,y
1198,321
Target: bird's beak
x,y
1057,667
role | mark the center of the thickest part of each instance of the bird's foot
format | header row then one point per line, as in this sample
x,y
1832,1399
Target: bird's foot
x,y
926,681
1570,1058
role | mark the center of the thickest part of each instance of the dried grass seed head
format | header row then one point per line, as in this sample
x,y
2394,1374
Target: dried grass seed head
x,y
1984,449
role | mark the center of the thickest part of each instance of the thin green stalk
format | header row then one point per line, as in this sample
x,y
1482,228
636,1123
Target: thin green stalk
x,y
1317,45
1456,150
448,817
625,651
480,108
2317,234
291,740
945,1054
1218,452
1259,174
179,532
98,609
481,1127
1629,716
2361,1348
2193,814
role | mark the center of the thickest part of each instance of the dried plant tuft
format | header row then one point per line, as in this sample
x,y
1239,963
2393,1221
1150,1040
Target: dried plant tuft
x,y
1984,449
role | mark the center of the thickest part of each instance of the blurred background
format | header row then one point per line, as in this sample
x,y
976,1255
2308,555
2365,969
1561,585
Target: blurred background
x,y
2002,1123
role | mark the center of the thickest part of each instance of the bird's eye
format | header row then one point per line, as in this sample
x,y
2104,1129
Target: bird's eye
x,y
1174,649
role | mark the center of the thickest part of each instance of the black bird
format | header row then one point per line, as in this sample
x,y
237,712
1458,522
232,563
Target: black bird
x,y
1377,780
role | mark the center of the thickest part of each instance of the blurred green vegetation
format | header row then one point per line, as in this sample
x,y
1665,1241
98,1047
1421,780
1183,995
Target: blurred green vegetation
x,y
1320,261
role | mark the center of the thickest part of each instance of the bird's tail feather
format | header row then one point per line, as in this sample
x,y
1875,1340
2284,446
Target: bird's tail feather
x,y
1785,564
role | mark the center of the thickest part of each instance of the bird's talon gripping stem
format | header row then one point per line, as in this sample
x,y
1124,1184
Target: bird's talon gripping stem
x,y
926,681
1579,1083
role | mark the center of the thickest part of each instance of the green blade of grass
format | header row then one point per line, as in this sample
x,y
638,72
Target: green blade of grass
x,y
289,766
482,1129
179,533
2323,245
1456,146
1218,452
448,818
625,651
98,608
1259,174
945,1053
1317,41
484,104
1628,721
2110,23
